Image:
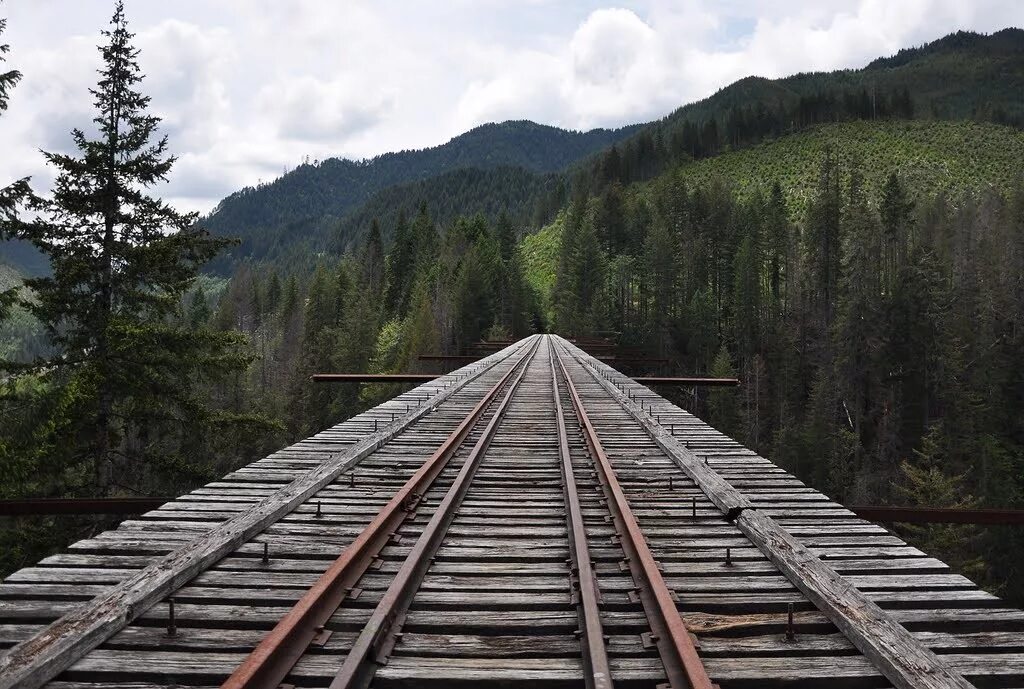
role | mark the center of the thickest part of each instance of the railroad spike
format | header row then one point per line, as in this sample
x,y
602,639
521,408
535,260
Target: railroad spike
x,y
728,556
318,514
266,553
172,628
790,633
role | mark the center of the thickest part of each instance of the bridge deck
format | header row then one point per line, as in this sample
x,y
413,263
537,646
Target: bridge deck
x,y
494,595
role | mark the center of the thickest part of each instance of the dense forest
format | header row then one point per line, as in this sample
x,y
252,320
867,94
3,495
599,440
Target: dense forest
x,y
878,337
850,245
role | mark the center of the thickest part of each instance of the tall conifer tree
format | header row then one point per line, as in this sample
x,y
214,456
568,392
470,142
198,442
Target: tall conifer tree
x,y
122,260
12,194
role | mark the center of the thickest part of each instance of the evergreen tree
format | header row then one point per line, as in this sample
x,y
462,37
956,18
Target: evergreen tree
x,y
122,261
373,260
722,407
896,211
421,332
746,291
9,78
823,244
199,312
858,339
401,263
312,403
927,481
778,250
11,195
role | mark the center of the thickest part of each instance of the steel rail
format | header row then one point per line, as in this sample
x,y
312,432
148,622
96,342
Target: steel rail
x,y
683,667
275,656
380,633
597,674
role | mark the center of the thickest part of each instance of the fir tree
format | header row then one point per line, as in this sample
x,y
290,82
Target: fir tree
x,y
122,261
11,195
896,212
401,261
722,403
373,260
9,78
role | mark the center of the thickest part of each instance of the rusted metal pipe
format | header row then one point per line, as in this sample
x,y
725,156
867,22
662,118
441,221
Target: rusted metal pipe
x,y
937,515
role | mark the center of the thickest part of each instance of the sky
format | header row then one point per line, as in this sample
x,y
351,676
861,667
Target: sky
x,y
248,89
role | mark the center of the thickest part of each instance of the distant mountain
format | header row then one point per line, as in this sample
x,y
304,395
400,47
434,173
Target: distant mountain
x,y
519,193
930,156
311,193
958,76
961,76
326,206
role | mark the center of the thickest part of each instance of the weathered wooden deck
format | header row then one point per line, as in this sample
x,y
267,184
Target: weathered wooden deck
x,y
511,565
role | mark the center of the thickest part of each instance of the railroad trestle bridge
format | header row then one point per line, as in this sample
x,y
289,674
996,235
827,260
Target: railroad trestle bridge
x,y
534,518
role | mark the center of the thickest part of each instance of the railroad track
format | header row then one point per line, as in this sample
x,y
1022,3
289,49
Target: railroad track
x,y
533,519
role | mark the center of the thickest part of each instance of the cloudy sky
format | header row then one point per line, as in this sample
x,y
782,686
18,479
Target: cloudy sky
x,y
249,88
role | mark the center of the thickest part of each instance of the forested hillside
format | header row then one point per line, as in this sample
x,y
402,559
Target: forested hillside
x,y
307,203
961,76
865,283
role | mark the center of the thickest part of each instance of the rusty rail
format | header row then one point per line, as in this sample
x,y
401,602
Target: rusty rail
x,y
683,666
271,661
379,635
597,674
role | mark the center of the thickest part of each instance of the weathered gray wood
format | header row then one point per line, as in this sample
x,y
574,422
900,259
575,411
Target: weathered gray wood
x,y
39,659
905,661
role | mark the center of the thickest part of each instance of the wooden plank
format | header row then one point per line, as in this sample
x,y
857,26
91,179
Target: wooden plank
x,y
41,658
905,661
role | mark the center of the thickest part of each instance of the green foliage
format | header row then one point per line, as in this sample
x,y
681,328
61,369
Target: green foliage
x,y
540,252
123,388
929,156
722,411
878,324
961,76
490,169
927,483
9,78
12,195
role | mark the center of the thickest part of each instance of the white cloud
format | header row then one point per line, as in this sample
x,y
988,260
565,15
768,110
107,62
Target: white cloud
x,y
248,88
308,109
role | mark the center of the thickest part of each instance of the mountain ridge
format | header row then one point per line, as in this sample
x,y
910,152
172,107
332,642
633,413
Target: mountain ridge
x,y
324,206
